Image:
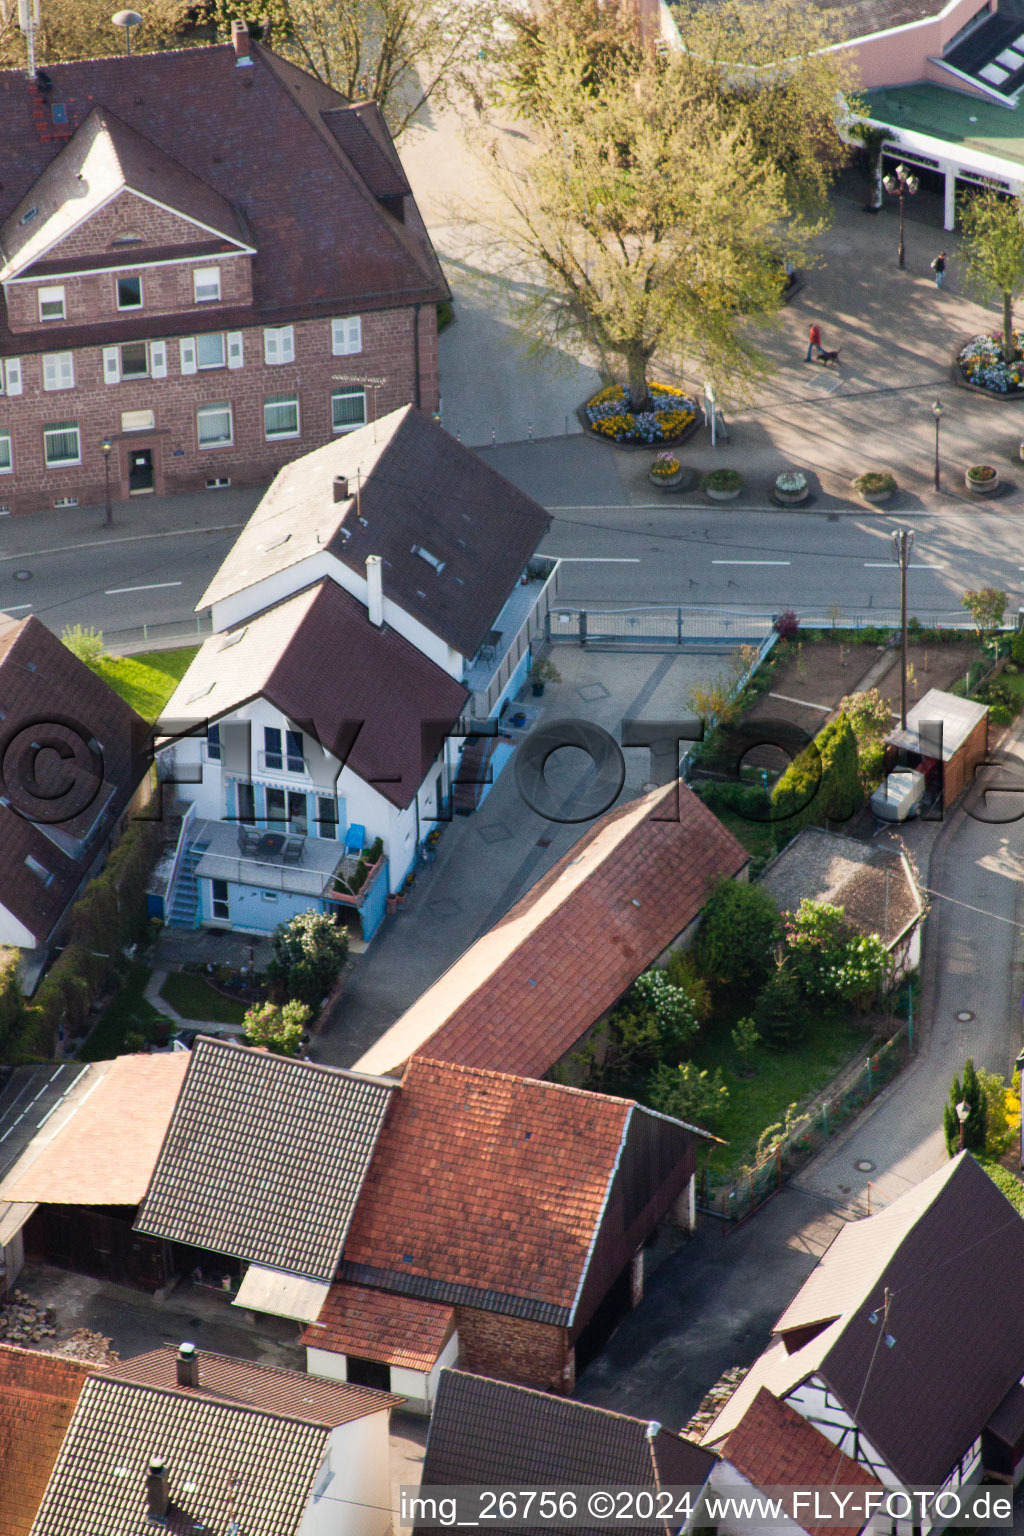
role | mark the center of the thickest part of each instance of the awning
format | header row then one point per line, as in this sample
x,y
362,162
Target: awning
x,y
280,1294
13,1216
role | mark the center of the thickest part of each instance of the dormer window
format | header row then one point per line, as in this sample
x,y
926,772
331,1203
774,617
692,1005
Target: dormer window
x,y
206,285
39,870
129,293
52,304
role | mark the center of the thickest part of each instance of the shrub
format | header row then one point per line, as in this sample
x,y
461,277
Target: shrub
x,y
986,606
376,849
746,800
1002,1112
971,1093
1000,715
779,1009
875,482
738,931
999,693
86,644
1017,648
665,466
688,1094
681,970
309,953
656,1020
278,1028
786,625
822,783
831,962
980,474
722,480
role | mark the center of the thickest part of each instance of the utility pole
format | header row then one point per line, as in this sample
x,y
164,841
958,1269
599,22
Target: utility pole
x,y
902,544
28,21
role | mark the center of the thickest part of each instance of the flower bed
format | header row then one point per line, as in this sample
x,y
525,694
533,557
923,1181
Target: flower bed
x,y
981,364
608,414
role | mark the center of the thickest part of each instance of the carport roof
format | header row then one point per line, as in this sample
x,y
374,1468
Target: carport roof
x,y
952,116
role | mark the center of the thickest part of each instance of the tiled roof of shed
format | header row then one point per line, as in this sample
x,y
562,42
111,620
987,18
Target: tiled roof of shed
x,y
265,1158
520,997
38,1393
378,1325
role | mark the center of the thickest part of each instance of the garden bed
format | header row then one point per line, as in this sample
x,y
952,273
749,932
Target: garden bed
x,y
607,417
978,365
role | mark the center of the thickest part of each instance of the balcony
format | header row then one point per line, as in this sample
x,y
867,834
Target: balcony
x,y
272,861
522,619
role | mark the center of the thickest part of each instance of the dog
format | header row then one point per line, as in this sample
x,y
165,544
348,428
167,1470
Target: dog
x,y
825,357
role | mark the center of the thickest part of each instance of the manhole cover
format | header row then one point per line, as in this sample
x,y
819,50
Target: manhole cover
x,y
494,834
23,575
864,1166
964,1016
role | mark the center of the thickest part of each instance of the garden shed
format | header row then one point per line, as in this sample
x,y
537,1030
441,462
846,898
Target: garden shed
x,y
945,739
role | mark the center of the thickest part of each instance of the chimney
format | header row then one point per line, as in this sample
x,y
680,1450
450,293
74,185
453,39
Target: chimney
x,y
374,591
240,43
341,487
186,1366
157,1501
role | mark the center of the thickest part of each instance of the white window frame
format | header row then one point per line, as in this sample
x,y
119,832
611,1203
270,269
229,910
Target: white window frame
x,y
127,425
62,427
145,349
277,402
5,437
209,367
53,295
278,345
347,335
206,277
128,278
219,406
58,371
347,426
12,375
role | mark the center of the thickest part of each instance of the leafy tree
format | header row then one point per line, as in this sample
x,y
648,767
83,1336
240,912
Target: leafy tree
x,y
278,1027
698,1097
399,53
870,718
1002,1112
737,934
993,249
82,29
971,1093
986,606
682,971
656,1020
309,953
745,1040
602,31
821,784
831,962
86,644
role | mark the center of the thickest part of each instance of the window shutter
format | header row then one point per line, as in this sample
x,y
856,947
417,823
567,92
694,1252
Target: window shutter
x,y
271,348
354,337
236,349
346,335
287,344
187,347
67,370
111,365
50,373
158,359
12,368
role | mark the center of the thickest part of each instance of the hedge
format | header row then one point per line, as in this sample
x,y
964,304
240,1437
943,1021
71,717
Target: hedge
x,y
821,784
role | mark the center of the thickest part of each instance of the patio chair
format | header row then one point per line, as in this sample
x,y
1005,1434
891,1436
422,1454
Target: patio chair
x,y
355,838
248,841
293,850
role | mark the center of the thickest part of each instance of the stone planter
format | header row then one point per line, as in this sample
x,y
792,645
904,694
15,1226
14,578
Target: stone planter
x,y
713,495
876,498
793,496
981,487
667,482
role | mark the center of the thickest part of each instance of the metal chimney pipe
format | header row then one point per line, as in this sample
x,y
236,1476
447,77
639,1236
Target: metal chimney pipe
x,y
375,590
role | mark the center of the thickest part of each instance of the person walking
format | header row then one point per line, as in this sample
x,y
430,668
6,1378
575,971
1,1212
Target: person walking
x,y
814,341
939,268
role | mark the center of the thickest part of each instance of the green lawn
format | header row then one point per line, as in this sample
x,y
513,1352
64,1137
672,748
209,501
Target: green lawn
x,y
757,837
195,999
146,681
783,1077
128,1010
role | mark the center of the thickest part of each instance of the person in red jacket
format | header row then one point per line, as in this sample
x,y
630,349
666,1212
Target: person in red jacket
x,y
814,341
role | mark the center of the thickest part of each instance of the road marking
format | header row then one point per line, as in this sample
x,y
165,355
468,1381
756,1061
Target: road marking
x,y
152,587
594,559
891,565
751,562
826,709
16,607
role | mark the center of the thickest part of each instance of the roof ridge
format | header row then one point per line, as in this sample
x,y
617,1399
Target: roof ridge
x,y
559,1402
514,1077
201,1394
299,1061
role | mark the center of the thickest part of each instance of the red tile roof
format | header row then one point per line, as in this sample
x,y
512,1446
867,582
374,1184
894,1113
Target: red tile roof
x,y
377,1325
38,1393
773,1446
247,129
489,1181
41,681
524,993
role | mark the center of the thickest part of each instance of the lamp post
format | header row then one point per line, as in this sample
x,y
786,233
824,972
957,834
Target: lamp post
x,y
937,413
901,184
107,446
902,544
127,19
962,1113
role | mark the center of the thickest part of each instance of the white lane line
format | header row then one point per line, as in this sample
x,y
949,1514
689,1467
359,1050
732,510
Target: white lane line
x,y
16,607
152,587
594,559
751,562
890,565
826,709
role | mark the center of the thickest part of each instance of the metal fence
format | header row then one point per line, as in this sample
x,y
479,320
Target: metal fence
x,y
665,626
145,637
807,1132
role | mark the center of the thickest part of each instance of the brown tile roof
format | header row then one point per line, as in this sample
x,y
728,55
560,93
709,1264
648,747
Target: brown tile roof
x,y
248,129
38,1393
773,1446
488,1181
873,884
362,134
405,702
420,488
264,1158
524,993
488,1432
40,680
860,18
376,1325
270,1388
105,1153
223,1462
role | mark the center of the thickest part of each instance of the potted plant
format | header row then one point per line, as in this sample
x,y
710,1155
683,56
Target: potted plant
x,y
875,486
722,484
791,487
541,672
982,479
666,470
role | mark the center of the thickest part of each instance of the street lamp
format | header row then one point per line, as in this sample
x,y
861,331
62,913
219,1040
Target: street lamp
x,y
901,184
127,19
902,544
962,1112
937,413
107,446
